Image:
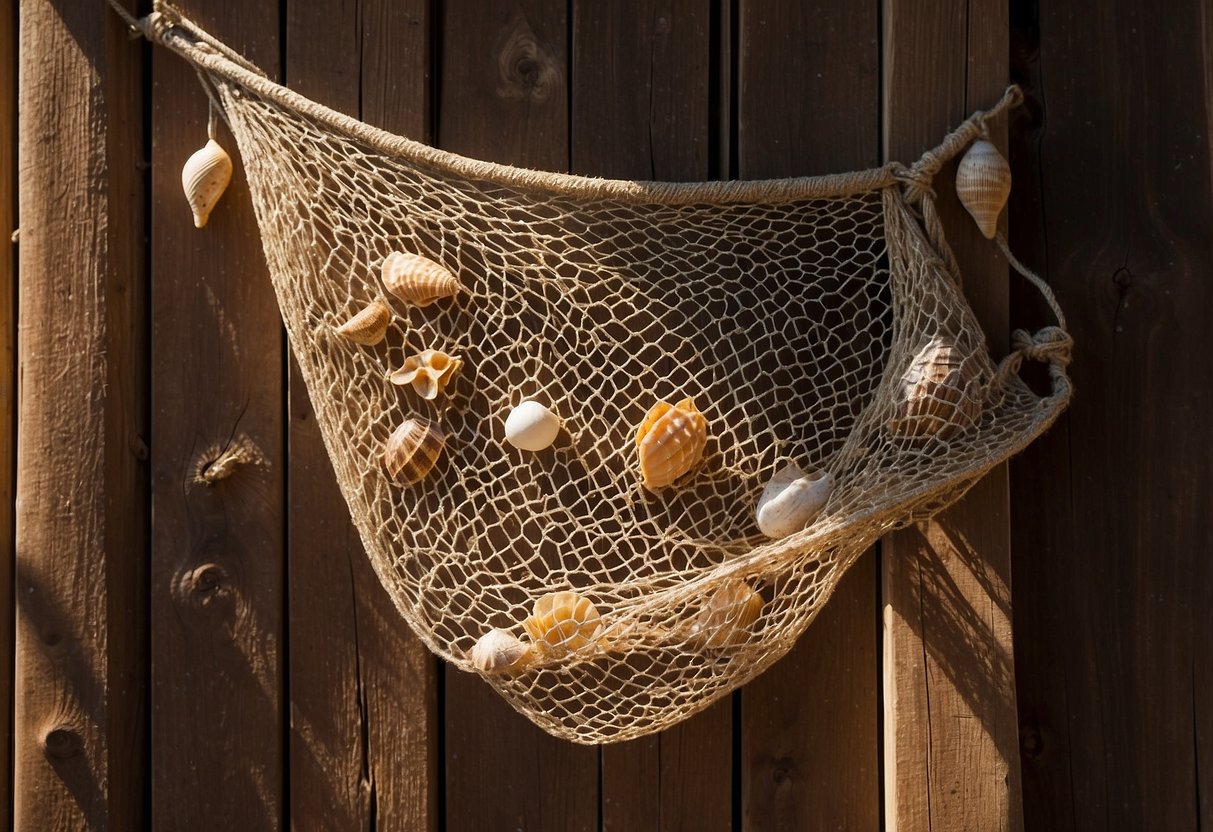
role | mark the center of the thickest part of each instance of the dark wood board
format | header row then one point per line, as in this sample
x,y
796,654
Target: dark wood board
x,y
218,580
808,99
363,744
1111,510
80,514
503,97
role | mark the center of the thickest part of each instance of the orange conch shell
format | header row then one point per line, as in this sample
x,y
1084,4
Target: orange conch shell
x,y
416,279
428,371
983,183
671,440
411,451
562,622
940,393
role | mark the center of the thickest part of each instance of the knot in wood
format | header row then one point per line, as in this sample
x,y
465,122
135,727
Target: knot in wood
x,y
62,743
526,69
204,585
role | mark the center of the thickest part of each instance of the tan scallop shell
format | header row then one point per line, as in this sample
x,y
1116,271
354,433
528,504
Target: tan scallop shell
x,y
204,178
983,183
369,326
499,651
940,393
671,440
411,451
726,618
562,622
429,371
416,279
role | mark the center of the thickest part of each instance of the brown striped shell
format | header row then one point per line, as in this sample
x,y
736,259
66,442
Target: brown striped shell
x,y
940,393
204,178
983,183
499,651
369,326
562,622
670,440
428,371
416,279
412,449
726,618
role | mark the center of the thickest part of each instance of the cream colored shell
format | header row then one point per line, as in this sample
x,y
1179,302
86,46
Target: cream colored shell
x,y
412,449
670,440
499,651
531,426
369,326
983,183
429,371
416,279
562,622
726,618
939,395
791,500
204,178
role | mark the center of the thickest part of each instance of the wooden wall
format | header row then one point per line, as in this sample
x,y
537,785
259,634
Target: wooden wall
x,y
195,638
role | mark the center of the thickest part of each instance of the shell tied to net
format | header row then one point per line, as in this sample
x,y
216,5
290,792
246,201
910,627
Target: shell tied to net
x,y
940,393
204,178
531,426
416,279
413,449
562,622
368,326
983,183
728,615
670,441
500,651
791,499
429,372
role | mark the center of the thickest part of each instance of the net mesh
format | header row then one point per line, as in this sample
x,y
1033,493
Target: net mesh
x,y
790,312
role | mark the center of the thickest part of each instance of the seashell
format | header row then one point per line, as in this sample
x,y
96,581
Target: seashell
x,y
499,651
429,372
411,451
204,178
727,616
671,440
792,499
983,183
562,622
369,326
531,426
939,394
417,279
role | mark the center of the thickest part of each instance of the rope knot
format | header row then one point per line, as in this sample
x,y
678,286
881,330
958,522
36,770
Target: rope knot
x,y
1052,344
915,182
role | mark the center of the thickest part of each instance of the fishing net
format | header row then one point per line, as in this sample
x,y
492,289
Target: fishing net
x,y
817,321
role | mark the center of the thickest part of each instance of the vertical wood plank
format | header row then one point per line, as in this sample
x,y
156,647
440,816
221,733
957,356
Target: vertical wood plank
x,y
1113,580
808,103
951,738
503,97
217,481
640,98
363,748
80,512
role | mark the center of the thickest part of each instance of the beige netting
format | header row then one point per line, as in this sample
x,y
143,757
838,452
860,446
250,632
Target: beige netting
x,y
789,310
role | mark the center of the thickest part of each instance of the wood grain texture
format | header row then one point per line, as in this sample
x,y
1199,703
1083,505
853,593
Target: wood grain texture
x,y
217,579
641,73
951,750
1113,579
503,97
363,743
808,102
80,510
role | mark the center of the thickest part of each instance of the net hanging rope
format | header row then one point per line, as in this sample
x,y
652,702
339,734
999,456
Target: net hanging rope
x,y
815,321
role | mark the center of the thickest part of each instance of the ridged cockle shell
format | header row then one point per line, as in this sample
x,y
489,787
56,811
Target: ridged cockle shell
x,y
670,440
416,279
562,622
428,371
939,394
204,178
499,651
792,499
983,183
411,451
531,426
726,618
368,326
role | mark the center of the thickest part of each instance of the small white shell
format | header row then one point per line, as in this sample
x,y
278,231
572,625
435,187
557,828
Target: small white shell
x,y
499,651
204,178
792,499
531,426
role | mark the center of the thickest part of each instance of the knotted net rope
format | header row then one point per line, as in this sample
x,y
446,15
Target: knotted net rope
x,y
789,310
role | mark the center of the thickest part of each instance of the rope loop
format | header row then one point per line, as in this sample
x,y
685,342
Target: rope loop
x,y
1051,344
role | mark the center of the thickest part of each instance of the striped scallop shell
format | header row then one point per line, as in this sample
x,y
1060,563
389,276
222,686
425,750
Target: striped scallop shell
x,y
416,279
940,393
983,183
204,178
411,451
726,618
429,371
562,622
369,326
671,440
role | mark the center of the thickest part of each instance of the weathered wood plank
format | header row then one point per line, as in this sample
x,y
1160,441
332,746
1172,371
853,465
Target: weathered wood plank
x,y
80,512
641,74
951,739
808,102
217,578
503,97
1113,204
363,720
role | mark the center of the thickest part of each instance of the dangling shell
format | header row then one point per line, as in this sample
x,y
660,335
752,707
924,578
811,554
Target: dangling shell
x,y
671,440
792,499
369,326
499,651
429,372
411,451
562,622
204,178
939,395
727,616
983,183
531,426
417,279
